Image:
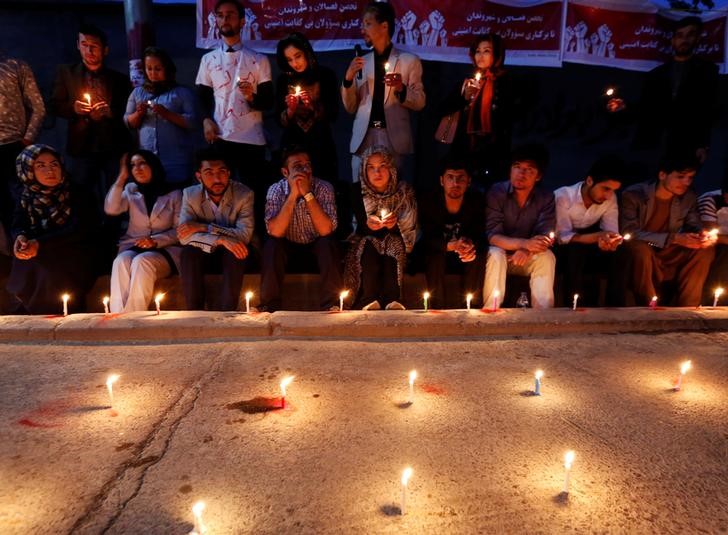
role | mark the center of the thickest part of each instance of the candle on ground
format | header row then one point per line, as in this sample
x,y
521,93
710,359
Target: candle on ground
x,y
653,302
406,474
248,297
425,299
200,528
105,301
568,461
537,388
158,303
87,98
468,299
343,295
576,299
412,377
496,295
284,383
110,387
65,298
716,296
684,367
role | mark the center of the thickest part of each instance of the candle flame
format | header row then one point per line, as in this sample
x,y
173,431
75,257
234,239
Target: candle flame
x,y
406,475
297,91
198,508
576,296
718,292
383,213
412,377
87,97
105,300
111,380
552,235
386,67
248,295
627,237
685,367
714,232
654,299
344,294
158,298
469,297
426,295
569,459
610,91
496,293
539,374
284,383
478,76
65,298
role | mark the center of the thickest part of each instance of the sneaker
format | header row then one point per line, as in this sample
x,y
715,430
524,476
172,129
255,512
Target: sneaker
x,y
395,305
374,305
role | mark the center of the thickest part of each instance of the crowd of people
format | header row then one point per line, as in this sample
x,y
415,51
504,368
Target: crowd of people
x,y
130,180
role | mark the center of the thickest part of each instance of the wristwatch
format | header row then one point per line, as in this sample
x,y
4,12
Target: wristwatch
x,y
308,197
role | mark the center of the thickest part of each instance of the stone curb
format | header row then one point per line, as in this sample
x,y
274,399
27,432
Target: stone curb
x,y
177,326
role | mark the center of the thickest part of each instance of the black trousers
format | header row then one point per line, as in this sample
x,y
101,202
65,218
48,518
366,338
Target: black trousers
x,y
378,278
582,265
717,278
438,263
10,187
195,263
276,254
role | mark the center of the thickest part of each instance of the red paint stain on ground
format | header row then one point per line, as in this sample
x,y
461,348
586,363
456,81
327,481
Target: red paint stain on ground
x,y
490,310
30,423
107,317
433,389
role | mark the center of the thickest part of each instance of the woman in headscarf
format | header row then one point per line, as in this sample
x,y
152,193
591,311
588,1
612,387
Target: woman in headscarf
x,y
164,113
53,247
150,249
485,106
386,227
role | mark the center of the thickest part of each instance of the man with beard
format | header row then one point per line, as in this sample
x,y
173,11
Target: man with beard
x,y
216,224
381,88
668,241
520,221
587,227
453,233
234,83
678,99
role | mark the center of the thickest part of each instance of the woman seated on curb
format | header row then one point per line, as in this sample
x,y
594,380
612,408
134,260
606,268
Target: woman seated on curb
x,y
51,230
150,249
386,226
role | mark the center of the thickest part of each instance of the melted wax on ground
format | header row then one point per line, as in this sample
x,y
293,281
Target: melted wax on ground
x,y
434,389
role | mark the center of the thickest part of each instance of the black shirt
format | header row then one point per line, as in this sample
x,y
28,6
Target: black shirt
x,y
377,113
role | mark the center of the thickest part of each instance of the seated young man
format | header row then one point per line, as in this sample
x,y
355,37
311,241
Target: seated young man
x,y
713,207
300,215
587,227
668,241
216,224
519,218
453,234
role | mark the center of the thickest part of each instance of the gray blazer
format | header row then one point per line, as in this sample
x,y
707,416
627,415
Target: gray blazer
x,y
235,218
160,225
638,204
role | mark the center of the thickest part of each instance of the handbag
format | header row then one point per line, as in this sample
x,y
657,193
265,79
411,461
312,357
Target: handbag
x,y
445,132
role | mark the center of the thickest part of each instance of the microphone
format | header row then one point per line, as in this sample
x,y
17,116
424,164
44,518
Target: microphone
x,y
358,53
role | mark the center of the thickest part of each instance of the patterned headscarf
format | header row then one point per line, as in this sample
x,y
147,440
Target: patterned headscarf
x,y
46,207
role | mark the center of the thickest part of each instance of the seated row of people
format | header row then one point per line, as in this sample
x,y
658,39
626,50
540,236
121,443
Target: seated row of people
x,y
208,227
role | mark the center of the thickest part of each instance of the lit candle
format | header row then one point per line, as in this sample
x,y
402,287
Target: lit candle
x,y
65,298
468,299
610,91
478,76
552,235
386,68
412,377
248,297
297,91
496,295
87,98
105,301
425,298
684,367
406,475
568,461
158,302
383,214
576,299
716,296
200,528
653,302
110,387
714,232
537,389
627,237
150,103
284,383
343,295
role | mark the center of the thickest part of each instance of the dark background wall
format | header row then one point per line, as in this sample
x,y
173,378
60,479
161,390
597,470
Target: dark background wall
x,y
563,107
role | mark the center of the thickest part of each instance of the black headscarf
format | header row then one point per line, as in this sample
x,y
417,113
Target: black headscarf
x,y
157,186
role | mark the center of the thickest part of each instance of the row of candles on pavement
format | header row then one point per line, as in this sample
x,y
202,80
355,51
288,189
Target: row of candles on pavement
x,y
407,473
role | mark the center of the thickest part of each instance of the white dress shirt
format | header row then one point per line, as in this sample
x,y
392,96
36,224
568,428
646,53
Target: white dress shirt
x,y
572,215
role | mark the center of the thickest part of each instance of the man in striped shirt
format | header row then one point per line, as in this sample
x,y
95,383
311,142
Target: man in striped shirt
x,y
713,207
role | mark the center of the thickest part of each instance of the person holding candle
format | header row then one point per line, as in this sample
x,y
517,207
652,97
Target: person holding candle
x,y
519,215
52,234
300,216
668,241
713,207
481,110
453,231
163,112
215,226
587,227
378,252
149,250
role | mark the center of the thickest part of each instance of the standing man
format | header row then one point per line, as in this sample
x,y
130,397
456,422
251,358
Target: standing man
x,y
381,88
668,241
92,98
21,115
235,88
300,215
453,233
519,218
587,227
216,224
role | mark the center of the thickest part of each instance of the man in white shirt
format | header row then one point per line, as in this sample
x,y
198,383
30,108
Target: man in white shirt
x,y
587,227
235,82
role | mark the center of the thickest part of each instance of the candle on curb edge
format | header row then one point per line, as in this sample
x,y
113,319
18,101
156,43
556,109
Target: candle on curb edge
x,y
343,295
105,301
653,302
65,298
468,299
158,302
406,475
684,368
200,528
110,387
576,299
568,461
537,388
716,296
248,297
425,298
496,295
284,383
